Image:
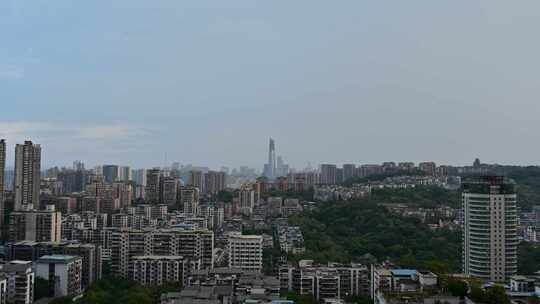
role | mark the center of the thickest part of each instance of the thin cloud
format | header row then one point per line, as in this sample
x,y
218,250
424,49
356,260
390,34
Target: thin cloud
x,y
19,130
109,131
11,72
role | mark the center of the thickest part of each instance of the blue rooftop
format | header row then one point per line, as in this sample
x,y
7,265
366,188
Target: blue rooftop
x,y
403,272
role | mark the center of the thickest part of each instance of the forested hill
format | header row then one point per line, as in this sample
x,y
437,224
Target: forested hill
x,y
528,186
423,197
345,231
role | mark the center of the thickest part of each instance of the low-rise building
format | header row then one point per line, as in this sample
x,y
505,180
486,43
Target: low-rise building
x,y
386,281
158,270
523,286
291,239
325,281
199,295
291,206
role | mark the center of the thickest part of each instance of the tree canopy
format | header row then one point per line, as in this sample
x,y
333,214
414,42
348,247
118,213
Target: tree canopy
x,y
345,231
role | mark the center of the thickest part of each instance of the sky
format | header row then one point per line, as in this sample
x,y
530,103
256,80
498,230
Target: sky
x,y
138,82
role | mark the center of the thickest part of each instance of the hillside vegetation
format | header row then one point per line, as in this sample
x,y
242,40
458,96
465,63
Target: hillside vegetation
x,y
345,231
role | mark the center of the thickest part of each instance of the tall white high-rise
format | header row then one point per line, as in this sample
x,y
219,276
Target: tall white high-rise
x,y
247,200
27,175
490,228
124,174
2,172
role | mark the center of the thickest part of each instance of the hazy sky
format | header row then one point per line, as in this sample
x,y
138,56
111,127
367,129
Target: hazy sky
x,y
208,82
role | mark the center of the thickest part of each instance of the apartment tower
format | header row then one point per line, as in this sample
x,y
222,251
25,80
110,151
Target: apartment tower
x,y
27,175
490,228
2,172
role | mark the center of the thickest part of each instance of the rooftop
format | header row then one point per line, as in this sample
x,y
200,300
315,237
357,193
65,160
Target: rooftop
x,y
404,272
158,257
57,258
246,237
16,266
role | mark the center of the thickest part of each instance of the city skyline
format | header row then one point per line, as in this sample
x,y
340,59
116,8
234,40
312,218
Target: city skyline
x,y
309,165
355,82
292,152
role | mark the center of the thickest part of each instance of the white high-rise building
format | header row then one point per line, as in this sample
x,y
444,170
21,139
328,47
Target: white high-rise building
x,y
490,228
2,172
125,174
247,200
194,245
27,175
245,252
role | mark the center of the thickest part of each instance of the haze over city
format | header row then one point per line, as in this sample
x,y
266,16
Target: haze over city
x,y
209,82
269,152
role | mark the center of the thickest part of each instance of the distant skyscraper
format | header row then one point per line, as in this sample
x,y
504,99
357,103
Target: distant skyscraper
x,y
73,180
27,175
175,166
339,176
430,168
110,173
279,167
169,191
225,169
196,179
153,185
78,165
270,167
125,174
214,182
139,177
282,169
123,191
2,172
189,199
247,200
348,171
490,228
328,174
